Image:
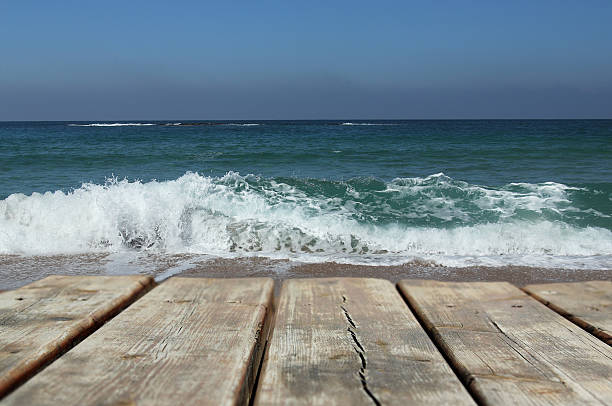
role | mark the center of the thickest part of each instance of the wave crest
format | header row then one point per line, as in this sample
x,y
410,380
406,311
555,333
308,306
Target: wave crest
x,y
111,124
358,221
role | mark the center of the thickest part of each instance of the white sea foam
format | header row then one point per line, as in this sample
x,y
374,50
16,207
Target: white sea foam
x,y
243,124
230,216
111,124
350,123
505,202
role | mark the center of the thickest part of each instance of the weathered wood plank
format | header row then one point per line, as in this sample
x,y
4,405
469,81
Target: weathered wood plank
x,y
587,304
352,341
188,341
40,321
509,348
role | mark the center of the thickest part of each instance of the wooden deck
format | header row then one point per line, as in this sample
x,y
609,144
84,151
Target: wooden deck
x,y
120,340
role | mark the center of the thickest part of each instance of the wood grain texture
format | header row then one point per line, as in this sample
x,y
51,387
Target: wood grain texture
x,y
587,304
511,349
352,341
190,341
40,321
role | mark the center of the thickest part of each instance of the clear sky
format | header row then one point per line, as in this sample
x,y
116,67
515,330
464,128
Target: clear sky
x,y
118,60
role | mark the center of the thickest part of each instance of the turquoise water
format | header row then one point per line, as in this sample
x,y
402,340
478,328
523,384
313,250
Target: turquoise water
x,y
527,192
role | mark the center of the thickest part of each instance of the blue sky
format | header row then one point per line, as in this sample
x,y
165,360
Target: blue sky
x,y
111,60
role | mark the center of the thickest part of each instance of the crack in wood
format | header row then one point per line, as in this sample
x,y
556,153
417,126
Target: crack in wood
x,y
360,352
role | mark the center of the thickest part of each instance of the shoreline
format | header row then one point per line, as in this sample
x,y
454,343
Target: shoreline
x,y
16,271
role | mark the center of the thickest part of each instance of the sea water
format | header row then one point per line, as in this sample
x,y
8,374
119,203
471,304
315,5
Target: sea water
x,y
455,193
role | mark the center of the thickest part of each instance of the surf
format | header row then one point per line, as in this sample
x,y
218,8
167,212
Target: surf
x,y
112,125
360,221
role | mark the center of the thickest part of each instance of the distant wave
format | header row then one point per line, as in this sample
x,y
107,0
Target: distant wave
x,y
243,124
111,124
350,123
363,221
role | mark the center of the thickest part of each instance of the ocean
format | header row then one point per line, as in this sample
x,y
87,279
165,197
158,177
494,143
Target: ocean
x,y
453,193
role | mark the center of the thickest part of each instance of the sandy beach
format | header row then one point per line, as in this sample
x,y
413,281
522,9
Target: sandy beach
x,y
16,271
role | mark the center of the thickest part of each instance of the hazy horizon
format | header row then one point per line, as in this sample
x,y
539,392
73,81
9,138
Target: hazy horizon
x,y
117,61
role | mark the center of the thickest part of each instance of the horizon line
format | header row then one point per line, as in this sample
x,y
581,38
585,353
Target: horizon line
x,y
313,119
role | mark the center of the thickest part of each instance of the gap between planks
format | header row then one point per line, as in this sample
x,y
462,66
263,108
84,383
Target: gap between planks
x,y
586,304
352,341
45,319
509,348
190,340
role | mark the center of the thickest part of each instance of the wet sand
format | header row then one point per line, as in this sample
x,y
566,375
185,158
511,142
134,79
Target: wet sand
x,y
17,271
516,275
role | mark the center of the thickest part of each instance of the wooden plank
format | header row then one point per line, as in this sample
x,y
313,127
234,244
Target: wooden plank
x,y
352,341
188,341
588,304
509,348
40,321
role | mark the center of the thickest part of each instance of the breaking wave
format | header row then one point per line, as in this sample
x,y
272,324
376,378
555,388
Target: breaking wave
x,y
363,220
111,124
